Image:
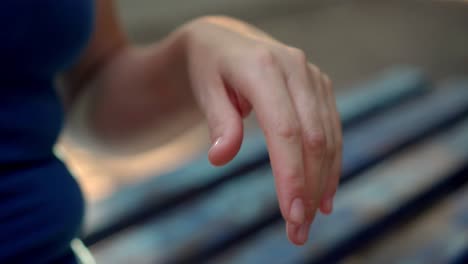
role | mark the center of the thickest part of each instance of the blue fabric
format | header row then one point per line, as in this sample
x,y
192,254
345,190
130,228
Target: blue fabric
x,y
41,206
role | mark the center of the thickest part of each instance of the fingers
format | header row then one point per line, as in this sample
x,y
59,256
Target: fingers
x,y
296,109
304,88
312,102
335,171
331,162
262,83
315,105
325,113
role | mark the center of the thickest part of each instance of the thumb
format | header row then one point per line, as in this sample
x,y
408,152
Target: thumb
x,y
224,123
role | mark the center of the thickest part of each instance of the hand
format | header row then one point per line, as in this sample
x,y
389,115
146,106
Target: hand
x,y
231,68
234,68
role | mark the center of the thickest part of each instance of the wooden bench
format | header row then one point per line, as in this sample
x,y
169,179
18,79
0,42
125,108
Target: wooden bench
x,y
405,150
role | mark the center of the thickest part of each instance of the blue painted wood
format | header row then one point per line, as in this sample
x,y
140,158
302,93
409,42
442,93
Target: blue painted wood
x,y
367,205
437,235
162,193
462,258
410,122
386,89
137,203
193,240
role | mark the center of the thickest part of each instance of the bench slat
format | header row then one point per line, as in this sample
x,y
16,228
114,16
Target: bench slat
x,y
381,92
438,235
410,122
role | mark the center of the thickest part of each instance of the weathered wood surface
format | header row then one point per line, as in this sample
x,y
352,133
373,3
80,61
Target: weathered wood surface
x,y
136,203
438,235
405,124
395,85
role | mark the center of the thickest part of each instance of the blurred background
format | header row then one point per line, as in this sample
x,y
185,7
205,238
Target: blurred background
x,y
353,41
350,40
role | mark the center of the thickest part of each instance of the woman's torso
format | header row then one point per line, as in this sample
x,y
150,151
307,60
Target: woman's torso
x,y
41,205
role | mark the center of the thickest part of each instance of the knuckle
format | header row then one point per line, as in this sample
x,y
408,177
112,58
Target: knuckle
x,y
327,80
311,201
314,70
294,177
298,55
291,179
290,132
315,142
263,57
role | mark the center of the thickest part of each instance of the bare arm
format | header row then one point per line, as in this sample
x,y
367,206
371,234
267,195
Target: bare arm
x,y
131,90
219,68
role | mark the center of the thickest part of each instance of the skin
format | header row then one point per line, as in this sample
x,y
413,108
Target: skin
x,y
221,69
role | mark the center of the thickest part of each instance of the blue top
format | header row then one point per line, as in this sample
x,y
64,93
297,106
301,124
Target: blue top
x,y
41,206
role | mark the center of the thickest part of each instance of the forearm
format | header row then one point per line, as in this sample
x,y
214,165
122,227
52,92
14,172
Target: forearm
x,y
131,91
143,91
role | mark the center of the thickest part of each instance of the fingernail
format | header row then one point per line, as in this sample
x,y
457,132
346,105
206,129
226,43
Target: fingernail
x,y
303,233
217,142
297,212
328,205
